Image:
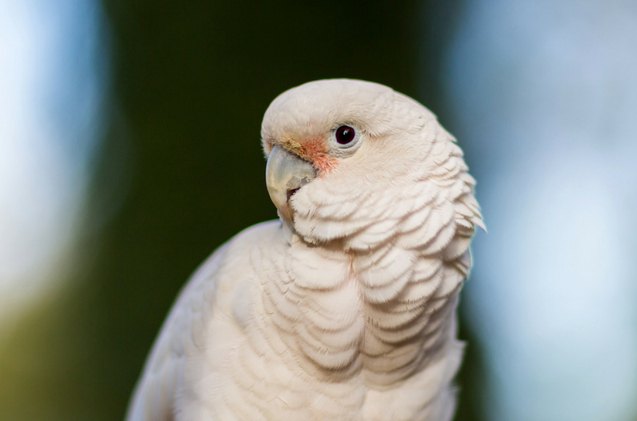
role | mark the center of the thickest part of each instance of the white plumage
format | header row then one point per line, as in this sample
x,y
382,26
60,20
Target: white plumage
x,y
345,308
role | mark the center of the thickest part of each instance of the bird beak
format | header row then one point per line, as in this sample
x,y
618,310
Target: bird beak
x,y
285,173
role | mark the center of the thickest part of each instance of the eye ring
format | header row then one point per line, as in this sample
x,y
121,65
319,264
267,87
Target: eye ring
x,y
345,139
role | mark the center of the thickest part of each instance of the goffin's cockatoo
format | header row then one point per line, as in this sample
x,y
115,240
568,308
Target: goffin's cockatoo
x,y
345,307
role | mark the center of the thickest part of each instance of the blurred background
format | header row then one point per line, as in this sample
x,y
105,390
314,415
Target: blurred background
x,y
129,150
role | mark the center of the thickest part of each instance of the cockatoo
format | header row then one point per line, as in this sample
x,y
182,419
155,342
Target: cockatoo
x,y
345,307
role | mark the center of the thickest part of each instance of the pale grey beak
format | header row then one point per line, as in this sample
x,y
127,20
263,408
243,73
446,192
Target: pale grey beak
x,y
285,173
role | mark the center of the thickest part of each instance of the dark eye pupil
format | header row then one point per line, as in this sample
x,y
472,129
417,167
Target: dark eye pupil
x,y
345,134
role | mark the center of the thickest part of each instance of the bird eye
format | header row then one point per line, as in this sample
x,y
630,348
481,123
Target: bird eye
x,y
345,135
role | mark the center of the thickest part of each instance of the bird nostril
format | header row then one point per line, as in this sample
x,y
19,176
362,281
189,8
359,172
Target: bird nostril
x,y
291,192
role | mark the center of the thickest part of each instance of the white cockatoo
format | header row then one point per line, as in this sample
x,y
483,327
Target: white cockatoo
x,y
345,307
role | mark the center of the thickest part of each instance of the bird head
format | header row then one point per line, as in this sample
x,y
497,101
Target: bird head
x,y
345,154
